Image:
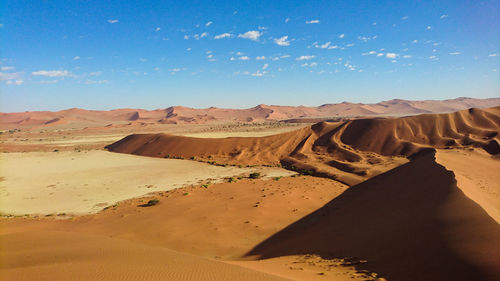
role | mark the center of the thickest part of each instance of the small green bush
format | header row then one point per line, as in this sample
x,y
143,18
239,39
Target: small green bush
x,y
254,175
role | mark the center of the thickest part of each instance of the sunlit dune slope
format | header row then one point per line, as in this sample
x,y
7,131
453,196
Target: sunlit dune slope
x,y
350,152
411,223
52,255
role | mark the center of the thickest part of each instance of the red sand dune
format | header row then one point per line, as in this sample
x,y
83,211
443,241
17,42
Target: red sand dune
x,y
184,115
350,152
411,223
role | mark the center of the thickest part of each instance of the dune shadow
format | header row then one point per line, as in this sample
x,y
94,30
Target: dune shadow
x,y
410,223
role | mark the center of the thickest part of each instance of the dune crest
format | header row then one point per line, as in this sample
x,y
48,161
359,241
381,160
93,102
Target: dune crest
x,y
382,220
350,152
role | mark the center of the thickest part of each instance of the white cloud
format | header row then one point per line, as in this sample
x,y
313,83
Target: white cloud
x,y
223,35
260,58
341,35
262,28
208,23
16,82
143,60
95,73
49,81
369,53
305,57
258,73
322,46
52,73
429,27
287,20
380,54
265,66
404,18
188,49
391,55
252,35
6,68
414,41
9,76
282,41
433,58
157,29
243,58
76,58
284,56
455,53
90,82
406,56
112,21
312,21
443,16
186,37
493,55
366,38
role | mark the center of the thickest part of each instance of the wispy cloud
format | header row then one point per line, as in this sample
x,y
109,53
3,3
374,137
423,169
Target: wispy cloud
x,y
260,58
282,41
90,82
243,58
429,27
157,29
391,55
341,35
305,57
223,35
52,73
287,20
112,21
369,53
312,21
16,82
76,58
208,23
443,16
404,18
493,55
7,68
455,53
265,66
251,35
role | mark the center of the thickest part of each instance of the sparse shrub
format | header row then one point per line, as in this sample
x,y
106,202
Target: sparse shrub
x,y
277,178
56,150
254,175
152,202
203,185
231,179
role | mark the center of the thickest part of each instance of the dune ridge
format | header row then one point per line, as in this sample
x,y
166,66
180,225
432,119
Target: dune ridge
x,y
350,151
184,115
402,224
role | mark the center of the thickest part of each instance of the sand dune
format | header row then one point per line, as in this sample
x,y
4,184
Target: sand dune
x,y
80,118
406,225
51,255
350,151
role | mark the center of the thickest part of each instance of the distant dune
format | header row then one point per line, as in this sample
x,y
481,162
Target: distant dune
x,y
183,115
350,151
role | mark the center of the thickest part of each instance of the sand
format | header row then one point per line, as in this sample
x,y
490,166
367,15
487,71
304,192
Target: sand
x,y
412,198
51,255
477,174
73,182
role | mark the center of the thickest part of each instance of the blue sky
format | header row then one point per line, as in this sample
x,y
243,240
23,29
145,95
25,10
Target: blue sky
x,y
154,54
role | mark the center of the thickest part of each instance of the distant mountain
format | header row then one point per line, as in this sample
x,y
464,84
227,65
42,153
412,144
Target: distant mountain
x,y
79,118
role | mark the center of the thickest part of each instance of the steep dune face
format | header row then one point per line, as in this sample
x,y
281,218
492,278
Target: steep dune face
x,y
411,223
350,152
